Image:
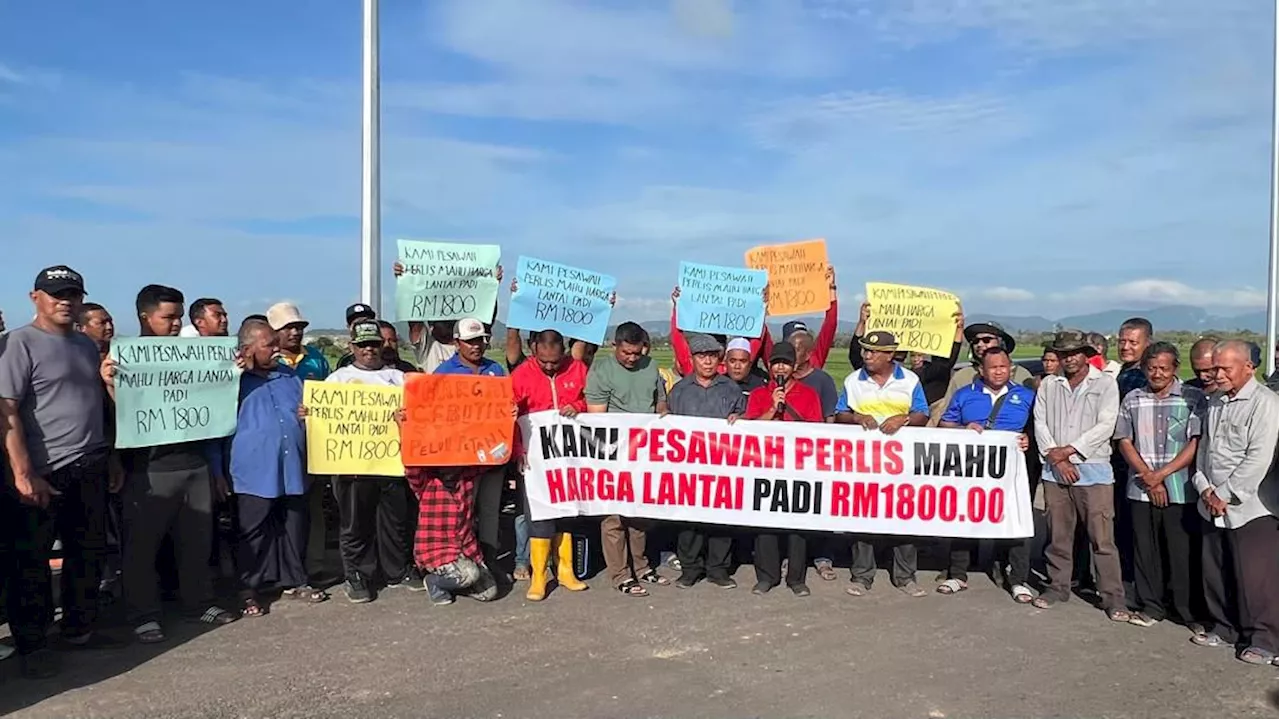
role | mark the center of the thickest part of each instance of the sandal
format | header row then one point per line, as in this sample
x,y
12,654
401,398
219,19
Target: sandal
x,y
911,589
521,574
952,586
306,594
1043,602
857,589
216,616
632,588
1119,615
1208,639
149,633
1256,656
652,577
825,570
1022,594
251,609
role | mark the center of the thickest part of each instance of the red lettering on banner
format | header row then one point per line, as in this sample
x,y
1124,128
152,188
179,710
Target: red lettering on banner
x,y
866,499
697,449
737,494
666,489
839,499
626,493
724,494
725,450
555,486
636,439
893,457
843,459
686,497
804,450
773,447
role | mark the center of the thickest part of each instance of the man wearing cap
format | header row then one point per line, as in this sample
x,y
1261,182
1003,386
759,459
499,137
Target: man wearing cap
x,y
627,381
785,399
51,424
981,337
374,519
470,340
883,396
1075,416
706,550
934,372
739,367
309,362
355,313
992,402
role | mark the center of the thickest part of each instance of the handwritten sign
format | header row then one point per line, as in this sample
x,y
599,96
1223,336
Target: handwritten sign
x,y
920,317
351,428
721,300
457,420
444,281
552,296
798,282
173,389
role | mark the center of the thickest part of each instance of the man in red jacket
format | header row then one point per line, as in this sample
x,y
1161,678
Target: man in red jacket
x,y
550,380
784,399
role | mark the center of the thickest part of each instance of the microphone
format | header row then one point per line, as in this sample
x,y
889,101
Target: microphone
x,y
780,381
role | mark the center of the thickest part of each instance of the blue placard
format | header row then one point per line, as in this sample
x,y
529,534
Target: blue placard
x,y
721,300
552,296
174,389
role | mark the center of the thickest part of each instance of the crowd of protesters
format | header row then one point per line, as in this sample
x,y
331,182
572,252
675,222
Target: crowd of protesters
x,y
1160,494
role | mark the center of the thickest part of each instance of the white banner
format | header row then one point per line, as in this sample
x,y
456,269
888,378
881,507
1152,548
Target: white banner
x,y
783,475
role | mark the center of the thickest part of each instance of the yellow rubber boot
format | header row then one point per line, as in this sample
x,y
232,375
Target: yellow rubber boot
x,y
539,556
564,564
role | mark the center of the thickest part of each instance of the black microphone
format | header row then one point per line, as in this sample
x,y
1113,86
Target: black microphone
x,y
781,381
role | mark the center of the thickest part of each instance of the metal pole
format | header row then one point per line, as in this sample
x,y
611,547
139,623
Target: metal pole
x,y
370,204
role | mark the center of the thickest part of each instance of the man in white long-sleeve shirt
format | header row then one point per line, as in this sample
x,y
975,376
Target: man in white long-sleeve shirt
x,y
1235,468
1075,415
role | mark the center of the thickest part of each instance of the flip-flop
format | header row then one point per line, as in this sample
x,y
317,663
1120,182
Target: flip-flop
x,y
826,571
1123,616
857,589
149,633
1022,594
305,594
951,586
1256,656
632,588
652,577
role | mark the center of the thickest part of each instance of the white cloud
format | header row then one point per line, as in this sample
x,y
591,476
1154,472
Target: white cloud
x,y
1167,292
1004,294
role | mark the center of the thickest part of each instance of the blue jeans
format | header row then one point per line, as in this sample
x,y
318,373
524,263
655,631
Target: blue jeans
x,y
522,540
465,576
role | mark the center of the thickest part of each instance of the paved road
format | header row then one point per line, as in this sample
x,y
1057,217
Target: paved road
x,y
703,652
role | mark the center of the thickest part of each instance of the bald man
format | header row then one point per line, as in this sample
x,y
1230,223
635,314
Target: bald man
x,y
1235,470
1206,377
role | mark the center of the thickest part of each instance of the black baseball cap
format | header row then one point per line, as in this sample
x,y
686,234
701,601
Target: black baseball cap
x,y
59,278
360,310
793,327
783,352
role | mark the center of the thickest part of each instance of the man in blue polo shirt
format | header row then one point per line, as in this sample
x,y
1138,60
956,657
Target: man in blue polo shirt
x,y
471,339
991,402
883,396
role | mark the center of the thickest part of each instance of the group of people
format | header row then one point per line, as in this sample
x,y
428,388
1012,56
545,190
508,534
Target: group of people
x,y
1166,484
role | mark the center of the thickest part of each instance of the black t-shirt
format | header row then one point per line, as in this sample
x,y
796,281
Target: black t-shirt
x,y
752,381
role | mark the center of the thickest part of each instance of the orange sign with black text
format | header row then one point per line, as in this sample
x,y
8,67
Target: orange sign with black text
x,y
456,420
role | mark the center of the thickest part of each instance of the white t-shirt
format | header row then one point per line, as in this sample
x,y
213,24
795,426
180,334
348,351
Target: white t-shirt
x,y
431,354
188,331
351,374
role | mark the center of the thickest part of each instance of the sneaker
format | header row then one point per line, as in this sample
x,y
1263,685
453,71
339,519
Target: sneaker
x,y
40,664
686,581
800,590
435,593
723,582
358,590
1141,619
761,588
411,580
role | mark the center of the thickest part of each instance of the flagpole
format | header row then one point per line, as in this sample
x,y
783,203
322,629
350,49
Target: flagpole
x,y
370,204
1273,270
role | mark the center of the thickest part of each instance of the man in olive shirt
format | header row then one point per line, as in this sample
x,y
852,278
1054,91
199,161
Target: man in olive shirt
x,y
627,381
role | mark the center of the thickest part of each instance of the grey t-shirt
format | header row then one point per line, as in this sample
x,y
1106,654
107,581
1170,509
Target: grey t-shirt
x,y
56,382
825,386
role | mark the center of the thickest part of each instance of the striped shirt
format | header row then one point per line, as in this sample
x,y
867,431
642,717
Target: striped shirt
x,y
1160,428
1083,418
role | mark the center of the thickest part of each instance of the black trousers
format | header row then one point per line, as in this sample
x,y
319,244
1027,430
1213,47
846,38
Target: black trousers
x,y
1014,552
862,567
273,541
768,559
77,517
1240,578
374,526
1166,558
704,551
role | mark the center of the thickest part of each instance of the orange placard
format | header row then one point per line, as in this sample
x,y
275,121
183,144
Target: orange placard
x,y
797,276
456,420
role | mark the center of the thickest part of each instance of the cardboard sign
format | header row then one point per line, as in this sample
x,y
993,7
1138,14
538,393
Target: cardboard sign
x,y
798,282
351,428
446,281
174,389
457,420
552,296
721,300
921,318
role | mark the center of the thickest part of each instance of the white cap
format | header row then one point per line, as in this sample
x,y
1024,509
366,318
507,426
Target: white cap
x,y
469,329
283,314
738,343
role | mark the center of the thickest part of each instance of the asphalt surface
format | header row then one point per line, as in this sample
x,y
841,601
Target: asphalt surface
x,y
703,652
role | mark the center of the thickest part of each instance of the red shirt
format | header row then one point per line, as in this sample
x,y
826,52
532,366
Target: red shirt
x,y
535,391
803,403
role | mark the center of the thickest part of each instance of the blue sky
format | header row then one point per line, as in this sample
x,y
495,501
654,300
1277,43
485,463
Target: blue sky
x,y
1035,156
